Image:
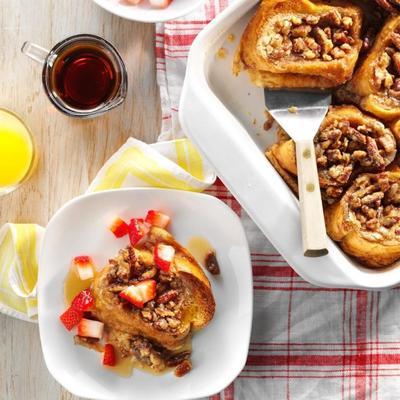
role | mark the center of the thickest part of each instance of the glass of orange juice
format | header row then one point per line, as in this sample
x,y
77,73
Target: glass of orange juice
x,y
17,152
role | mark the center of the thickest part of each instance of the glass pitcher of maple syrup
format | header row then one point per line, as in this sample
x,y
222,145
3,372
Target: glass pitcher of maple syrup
x,y
83,76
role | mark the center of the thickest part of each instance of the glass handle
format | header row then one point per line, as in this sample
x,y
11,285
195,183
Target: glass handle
x,y
34,51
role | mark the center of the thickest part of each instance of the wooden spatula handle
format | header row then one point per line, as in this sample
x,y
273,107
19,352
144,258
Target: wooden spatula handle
x,y
312,214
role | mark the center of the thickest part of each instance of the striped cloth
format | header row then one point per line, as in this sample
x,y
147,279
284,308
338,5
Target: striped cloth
x,y
307,342
19,250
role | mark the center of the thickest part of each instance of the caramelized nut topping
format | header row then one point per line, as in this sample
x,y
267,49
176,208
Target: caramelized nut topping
x,y
386,76
374,200
342,147
167,296
327,37
163,313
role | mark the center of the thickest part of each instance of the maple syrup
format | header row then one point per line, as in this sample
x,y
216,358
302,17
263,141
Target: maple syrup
x,y
124,366
200,248
84,77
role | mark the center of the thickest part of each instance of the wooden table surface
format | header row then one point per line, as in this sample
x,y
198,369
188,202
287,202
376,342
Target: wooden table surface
x,y
70,151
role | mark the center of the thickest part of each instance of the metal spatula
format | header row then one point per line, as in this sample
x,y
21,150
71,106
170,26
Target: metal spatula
x,y
300,114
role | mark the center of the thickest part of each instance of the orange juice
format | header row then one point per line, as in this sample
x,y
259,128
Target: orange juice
x,y
16,151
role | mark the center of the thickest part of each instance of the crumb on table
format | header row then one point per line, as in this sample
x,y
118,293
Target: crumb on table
x,y
293,109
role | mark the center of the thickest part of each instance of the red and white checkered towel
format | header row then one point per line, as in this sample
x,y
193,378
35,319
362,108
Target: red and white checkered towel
x,y
307,342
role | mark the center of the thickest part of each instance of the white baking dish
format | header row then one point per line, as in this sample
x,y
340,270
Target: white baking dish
x,y
223,115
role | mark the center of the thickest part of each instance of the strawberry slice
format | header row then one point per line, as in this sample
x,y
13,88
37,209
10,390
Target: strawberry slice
x,y
71,317
90,328
163,256
83,301
84,266
119,228
160,3
137,231
140,293
109,355
157,218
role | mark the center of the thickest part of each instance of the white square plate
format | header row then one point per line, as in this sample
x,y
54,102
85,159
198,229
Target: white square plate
x,y
219,351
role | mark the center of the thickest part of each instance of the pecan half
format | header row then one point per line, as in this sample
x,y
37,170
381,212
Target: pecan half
x,y
211,263
167,296
183,368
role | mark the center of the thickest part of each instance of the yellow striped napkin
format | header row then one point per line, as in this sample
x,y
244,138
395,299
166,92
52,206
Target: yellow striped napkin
x,y
175,164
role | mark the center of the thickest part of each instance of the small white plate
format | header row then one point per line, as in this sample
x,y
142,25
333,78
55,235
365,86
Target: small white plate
x,y
219,351
143,12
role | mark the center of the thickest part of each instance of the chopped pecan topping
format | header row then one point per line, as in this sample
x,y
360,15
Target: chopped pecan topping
x,y
387,70
167,296
312,19
164,313
326,37
332,18
393,194
301,31
161,324
344,147
148,353
149,274
323,40
375,201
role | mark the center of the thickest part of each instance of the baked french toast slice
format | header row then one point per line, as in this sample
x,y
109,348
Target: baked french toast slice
x,y
183,300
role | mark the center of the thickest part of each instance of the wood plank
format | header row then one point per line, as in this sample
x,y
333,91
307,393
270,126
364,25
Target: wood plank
x,y
70,151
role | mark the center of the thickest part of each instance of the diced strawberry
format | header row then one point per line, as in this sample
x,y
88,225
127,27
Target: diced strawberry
x,y
83,301
137,230
71,317
157,218
90,328
119,228
163,256
140,293
109,355
82,259
160,3
84,266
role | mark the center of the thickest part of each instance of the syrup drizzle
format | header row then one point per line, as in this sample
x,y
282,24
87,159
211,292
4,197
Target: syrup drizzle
x,y
199,247
74,285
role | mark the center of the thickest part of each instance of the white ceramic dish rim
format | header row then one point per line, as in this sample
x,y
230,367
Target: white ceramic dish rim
x,y
253,181
245,339
134,13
